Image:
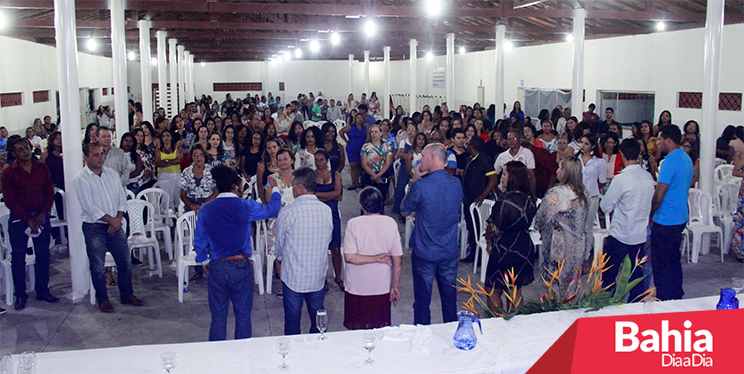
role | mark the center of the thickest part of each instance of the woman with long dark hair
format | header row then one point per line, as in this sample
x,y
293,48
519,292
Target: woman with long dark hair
x,y
357,133
510,246
148,159
329,191
252,155
665,118
168,158
309,143
268,165
294,136
336,153
128,144
90,133
517,111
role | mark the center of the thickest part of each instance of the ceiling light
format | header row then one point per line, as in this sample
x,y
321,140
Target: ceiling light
x,y
314,46
660,26
370,28
280,59
462,50
335,38
429,56
91,44
434,7
131,56
298,53
287,56
203,63
357,16
272,61
153,61
508,46
569,38
290,46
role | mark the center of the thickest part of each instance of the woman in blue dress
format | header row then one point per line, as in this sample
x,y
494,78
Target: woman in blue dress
x,y
329,191
355,135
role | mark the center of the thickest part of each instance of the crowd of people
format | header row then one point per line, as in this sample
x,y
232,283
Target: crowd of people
x,y
557,173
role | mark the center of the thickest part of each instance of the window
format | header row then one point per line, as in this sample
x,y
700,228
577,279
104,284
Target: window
x,y
238,86
11,99
41,96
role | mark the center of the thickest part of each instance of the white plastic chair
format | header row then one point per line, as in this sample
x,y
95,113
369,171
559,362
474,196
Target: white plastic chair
x,y
479,215
410,222
130,195
600,234
172,188
718,162
160,201
462,229
5,259
185,256
700,206
142,233
54,219
257,256
721,172
726,205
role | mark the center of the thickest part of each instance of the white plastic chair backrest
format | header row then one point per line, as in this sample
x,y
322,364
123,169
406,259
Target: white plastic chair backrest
x,y
311,123
249,190
169,186
721,172
137,225
700,205
53,213
727,199
185,233
130,195
160,200
4,238
718,162
396,167
4,209
480,214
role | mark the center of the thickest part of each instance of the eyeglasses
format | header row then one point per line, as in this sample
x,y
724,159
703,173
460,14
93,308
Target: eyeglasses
x,y
198,155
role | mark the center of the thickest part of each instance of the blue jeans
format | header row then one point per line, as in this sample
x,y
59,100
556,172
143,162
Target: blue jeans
x,y
666,256
228,283
424,272
97,242
18,242
616,251
293,309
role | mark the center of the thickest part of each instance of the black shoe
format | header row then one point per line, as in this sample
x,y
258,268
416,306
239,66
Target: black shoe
x,y
20,304
136,262
48,297
106,306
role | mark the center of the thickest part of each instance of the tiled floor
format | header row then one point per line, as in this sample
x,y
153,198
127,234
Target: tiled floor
x,y
68,326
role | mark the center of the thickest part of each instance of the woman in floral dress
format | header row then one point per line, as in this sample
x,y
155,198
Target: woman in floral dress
x,y
281,179
376,157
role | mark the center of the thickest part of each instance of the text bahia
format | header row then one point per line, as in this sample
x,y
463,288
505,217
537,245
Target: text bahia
x,y
627,340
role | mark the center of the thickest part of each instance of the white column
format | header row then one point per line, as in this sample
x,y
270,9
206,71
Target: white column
x,y
173,69
162,70
351,75
499,88
412,76
711,68
386,84
69,106
366,73
186,78
192,85
119,58
577,86
181,78
449,78
146,70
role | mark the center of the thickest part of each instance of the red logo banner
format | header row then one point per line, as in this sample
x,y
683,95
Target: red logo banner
x,y
689,342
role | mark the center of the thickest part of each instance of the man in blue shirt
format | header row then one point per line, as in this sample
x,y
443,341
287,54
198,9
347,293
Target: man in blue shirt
x,y
669,212
362,108
223,234
435,197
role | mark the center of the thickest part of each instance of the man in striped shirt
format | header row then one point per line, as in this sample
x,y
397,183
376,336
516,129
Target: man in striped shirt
x,y
303,232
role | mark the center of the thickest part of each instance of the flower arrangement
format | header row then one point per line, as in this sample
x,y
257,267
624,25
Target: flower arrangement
x,y
579,293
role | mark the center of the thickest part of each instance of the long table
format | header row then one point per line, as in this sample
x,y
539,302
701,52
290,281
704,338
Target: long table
x,y
505,347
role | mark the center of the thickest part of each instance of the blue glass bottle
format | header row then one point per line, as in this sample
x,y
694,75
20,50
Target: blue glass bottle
x,y
465,335
728,299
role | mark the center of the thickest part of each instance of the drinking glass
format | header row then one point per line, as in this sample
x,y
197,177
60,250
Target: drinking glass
x,y
321,319
283,348
6,364
27,363
737,284
368,342
168,361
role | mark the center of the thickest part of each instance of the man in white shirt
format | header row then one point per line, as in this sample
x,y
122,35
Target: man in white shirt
x,y
116,159
629,199
103,204
560,127
303,232
334,111
516,153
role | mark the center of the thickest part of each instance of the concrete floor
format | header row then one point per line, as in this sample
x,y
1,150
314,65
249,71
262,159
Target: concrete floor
x,y
44,327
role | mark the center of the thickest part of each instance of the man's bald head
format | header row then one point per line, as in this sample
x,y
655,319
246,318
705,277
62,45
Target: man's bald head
x,y
435,155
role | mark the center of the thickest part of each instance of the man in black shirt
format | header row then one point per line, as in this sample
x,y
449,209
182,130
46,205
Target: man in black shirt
x,y
478,181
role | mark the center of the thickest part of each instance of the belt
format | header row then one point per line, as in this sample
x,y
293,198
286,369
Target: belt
x,y
233,258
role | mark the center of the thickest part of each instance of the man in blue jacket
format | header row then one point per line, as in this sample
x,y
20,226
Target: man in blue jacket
x,y
222,242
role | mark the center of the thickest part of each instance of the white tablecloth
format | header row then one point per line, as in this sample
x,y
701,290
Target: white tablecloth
x,y
505,347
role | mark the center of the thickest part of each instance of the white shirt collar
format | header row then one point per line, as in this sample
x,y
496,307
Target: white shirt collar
x,y
226,194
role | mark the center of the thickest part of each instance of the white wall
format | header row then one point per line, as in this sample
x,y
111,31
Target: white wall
x,y
28,67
